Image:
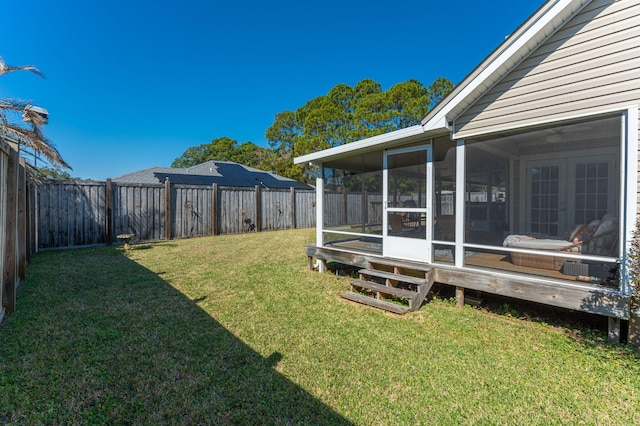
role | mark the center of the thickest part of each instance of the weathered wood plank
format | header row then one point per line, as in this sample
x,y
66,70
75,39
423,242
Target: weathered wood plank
x,y
214,209
392,276
10,259
167,210
292,208
402,264
381,304
595,300
22,221
381,288
4,158
257,209
108,213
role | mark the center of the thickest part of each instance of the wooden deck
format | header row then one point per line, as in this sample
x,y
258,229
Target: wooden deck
x,y
488,273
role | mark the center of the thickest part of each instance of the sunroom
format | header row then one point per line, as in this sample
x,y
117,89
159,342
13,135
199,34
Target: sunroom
x,y
521,182
543,201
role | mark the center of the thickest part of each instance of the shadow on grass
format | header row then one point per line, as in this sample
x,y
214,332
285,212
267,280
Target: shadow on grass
x,y
99,339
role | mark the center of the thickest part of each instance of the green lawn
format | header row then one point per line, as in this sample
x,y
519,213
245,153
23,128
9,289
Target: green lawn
x,y
236,330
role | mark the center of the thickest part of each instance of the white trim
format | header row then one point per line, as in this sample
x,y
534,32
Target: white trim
x,y
417,249
430,213
319,207
385,196
460,203
372,142
630,163
444,243
355,234
549,253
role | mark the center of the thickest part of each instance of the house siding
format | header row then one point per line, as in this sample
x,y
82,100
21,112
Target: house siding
x,y
589,65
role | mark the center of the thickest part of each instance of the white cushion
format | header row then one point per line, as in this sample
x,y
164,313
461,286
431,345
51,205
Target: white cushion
x,y
541,244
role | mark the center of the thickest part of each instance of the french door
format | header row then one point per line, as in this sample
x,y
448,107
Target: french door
x,y
407,199
570,191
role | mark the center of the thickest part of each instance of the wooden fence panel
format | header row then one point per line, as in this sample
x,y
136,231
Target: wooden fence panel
x,y
73,213
275,210
138,209
333,212
305,206
192,207
237,210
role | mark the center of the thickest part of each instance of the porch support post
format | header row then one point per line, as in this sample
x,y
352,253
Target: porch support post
x,y
322,266
634,323
460,203
459,297
614,330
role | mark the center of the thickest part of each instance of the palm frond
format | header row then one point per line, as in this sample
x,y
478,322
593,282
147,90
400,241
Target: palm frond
x,y
35,140
4,68
29,135
13,104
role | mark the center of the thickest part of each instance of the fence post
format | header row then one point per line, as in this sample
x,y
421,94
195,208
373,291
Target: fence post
x,y
292,206
167,209
257,208
345,205
21,242
30,213
108,206
214,209
11,233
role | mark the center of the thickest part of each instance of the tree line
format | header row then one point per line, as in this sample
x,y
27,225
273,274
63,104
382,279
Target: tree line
x,y
345,114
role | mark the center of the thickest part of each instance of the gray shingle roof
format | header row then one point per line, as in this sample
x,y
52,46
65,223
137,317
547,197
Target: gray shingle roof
x,y
223,173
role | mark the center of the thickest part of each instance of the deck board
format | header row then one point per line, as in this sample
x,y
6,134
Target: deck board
x,y
488,273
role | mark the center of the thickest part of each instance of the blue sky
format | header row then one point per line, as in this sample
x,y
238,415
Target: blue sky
x,y
132,84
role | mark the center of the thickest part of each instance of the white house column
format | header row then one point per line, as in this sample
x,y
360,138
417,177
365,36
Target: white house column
x,y
629,173
319,214
460,203
319,206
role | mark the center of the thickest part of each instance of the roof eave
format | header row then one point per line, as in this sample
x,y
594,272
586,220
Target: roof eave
x,y
385,140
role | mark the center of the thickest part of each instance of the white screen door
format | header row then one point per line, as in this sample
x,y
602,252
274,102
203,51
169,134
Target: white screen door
x,y
407,189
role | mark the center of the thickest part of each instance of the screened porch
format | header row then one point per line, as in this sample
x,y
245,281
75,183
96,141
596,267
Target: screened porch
x,y
544,202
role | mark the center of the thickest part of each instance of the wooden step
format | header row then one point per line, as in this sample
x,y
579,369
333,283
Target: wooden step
x,y
400,292
381,304
392,276
400,265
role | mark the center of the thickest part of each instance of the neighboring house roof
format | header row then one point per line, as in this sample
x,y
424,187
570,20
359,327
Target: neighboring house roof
x,y
530,35
223,173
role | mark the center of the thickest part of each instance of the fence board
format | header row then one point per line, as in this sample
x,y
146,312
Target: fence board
x,y
73,213
274,210
305,209
4,157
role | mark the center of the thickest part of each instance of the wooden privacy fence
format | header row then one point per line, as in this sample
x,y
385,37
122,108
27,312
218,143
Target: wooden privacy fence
x,y
16,224
80,213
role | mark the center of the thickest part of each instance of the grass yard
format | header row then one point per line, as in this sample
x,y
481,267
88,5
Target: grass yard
x,y
236,330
